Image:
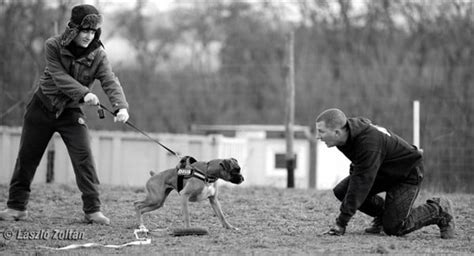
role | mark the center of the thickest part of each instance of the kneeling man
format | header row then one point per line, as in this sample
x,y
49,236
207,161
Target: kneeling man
x,y
381,161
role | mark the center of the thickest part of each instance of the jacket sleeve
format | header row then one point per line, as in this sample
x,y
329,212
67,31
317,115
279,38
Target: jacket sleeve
x,y
110,83
362,177
62,79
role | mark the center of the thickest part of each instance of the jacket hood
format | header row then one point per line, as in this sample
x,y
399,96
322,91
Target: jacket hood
x,y
357,125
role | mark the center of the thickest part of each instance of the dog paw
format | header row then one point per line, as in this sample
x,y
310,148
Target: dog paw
x,y
232,227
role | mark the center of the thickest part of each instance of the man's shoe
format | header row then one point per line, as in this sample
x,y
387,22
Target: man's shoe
x,y
446,217
97,217
376,226
10,214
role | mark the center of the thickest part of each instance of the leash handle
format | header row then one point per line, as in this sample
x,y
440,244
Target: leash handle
x,y
100,111
102,107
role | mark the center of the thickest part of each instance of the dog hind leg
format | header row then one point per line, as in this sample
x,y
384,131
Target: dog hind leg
x,y
153,200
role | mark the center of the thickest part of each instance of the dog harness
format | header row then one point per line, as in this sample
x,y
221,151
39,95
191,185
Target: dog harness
x,y
192,173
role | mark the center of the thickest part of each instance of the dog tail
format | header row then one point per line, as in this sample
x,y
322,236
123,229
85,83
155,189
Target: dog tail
x,y
152,173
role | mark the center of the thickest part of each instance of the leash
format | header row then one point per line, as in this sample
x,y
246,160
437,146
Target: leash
x,y
88,245
141,236
101,116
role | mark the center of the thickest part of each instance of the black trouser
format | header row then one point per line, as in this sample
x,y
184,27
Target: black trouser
x,y
398,215
38,127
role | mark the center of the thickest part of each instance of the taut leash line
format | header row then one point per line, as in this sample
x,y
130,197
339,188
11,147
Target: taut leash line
x,y
101,115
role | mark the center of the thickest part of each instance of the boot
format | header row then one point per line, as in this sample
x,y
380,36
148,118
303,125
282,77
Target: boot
x,y
376,226
97,217
446,220
10,214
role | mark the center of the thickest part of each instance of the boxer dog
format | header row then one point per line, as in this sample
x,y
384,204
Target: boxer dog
x,y
197,182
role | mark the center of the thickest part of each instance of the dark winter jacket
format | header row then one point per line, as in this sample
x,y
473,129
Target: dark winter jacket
x,y
376,155
67,79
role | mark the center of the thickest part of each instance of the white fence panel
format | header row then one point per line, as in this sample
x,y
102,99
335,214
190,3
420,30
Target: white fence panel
x,y
121,158
9,145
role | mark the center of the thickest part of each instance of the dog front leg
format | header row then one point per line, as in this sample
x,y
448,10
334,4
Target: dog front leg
x,y
140,218
184,208
216,206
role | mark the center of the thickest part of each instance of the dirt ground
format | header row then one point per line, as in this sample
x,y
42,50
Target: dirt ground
x,y
271,221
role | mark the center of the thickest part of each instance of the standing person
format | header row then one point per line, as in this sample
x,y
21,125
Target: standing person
x,y
381,161
74,60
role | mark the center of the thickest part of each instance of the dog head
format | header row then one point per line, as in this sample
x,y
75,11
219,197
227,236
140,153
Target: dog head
x,y
185,162
226,169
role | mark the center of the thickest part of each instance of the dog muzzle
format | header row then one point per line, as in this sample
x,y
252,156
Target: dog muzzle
x,y
237,179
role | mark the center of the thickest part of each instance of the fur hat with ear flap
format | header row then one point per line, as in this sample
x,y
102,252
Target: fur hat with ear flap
x,y
83,16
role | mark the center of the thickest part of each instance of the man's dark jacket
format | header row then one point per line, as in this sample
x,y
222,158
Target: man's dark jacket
x,y
376,155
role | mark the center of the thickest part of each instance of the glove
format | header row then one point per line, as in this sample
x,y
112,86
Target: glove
x,y
91,99
336,231
122,116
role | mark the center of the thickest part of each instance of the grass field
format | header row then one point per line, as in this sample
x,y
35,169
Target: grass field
x,y
271,221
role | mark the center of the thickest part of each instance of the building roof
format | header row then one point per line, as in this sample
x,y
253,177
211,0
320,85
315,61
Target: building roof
x,y
271,131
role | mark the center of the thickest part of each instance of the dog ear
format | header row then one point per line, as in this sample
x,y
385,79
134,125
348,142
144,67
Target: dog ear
x,y
225,164
185,161
191,160
182,162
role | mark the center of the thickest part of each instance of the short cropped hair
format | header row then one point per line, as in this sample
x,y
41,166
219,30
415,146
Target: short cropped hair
x,y
333,118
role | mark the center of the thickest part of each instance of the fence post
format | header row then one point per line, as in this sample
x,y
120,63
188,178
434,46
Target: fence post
x,y
290,108
416,123
312,177
50,162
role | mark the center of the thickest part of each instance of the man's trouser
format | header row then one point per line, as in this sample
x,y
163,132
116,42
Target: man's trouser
x,y
38,127
399,217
